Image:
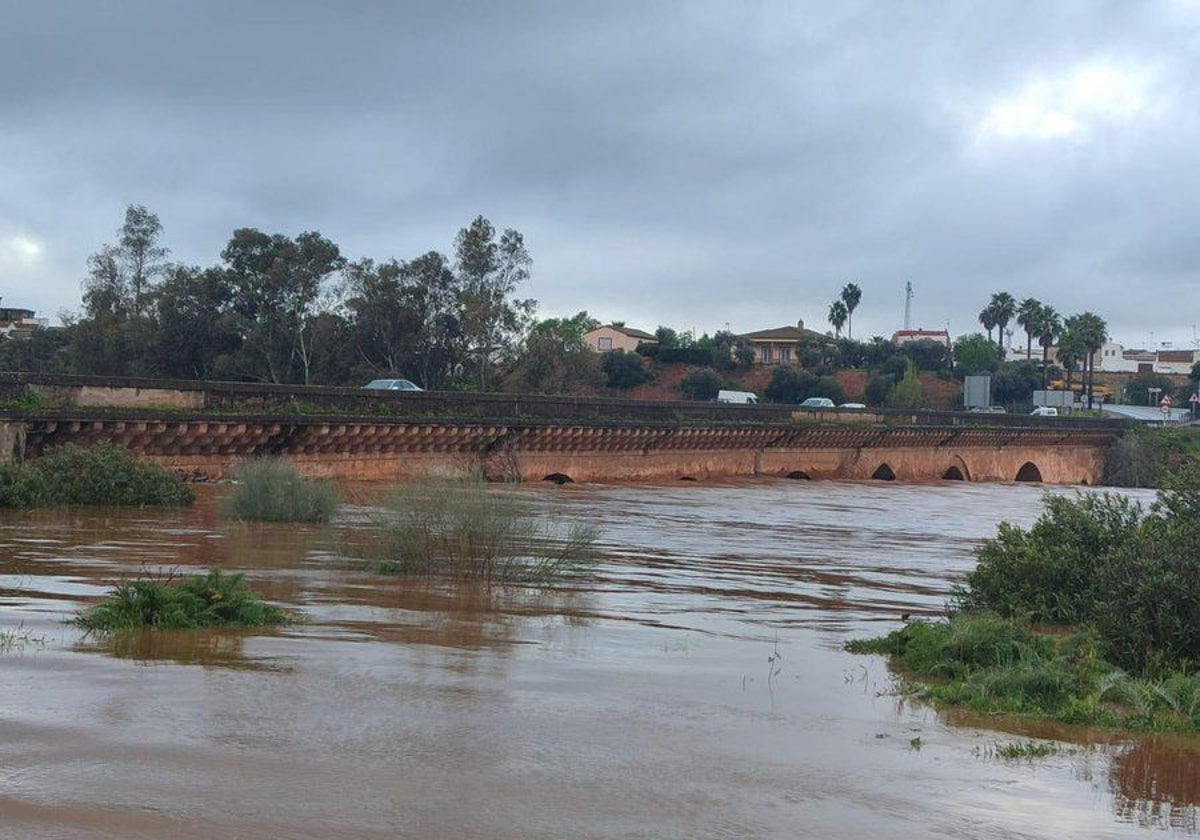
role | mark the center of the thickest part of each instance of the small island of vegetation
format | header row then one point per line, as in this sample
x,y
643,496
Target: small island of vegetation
x,y
215,599
104,474
1091,616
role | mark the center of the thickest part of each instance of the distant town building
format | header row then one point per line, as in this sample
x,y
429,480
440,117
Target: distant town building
x,y
778,346
617,337
19,323
904,336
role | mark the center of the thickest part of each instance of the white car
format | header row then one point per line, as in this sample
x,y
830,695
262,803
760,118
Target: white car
x,y
1045,411
393,385
818,402
852,405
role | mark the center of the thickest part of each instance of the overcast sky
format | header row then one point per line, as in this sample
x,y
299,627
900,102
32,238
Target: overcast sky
x,y
690,164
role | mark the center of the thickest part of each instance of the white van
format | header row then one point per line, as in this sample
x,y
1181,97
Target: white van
x,y
743,397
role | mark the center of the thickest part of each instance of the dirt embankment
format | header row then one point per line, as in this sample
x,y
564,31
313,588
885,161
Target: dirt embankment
x,y
939,393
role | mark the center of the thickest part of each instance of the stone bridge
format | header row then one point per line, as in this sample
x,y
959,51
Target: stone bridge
x,y
209,428
364,448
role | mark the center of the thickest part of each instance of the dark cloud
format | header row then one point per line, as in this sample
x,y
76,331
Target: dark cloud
x,y
689,164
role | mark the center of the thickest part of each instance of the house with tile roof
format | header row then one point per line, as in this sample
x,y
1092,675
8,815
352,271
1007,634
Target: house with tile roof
x,y
617,337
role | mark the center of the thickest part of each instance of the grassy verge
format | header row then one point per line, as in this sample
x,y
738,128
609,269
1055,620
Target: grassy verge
x,y
460,529
104,474
996,665
215,599
270,490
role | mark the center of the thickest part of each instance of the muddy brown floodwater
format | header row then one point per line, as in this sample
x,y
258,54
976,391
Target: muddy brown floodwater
x,y
693,685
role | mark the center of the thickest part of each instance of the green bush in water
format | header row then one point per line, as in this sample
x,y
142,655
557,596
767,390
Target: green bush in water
x,y
270,490
216,599
460,529
997,665
1104,562
104,474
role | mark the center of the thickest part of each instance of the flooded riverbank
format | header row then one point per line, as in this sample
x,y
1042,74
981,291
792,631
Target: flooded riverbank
x,y
692,685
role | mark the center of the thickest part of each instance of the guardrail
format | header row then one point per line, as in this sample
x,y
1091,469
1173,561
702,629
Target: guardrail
x,y
197,396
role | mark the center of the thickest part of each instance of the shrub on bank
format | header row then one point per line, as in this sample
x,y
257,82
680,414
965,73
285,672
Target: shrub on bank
x,y
1126,579
270,490
997,665
104,474
215,599
460,529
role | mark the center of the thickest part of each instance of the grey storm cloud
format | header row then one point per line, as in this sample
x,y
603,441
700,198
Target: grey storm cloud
x,y
689,164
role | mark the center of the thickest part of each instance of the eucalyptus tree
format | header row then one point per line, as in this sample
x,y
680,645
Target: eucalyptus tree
x,y
851,295
838,314
489,270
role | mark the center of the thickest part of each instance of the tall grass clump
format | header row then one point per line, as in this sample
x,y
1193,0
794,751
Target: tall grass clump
x,y
460,529
216,599
270,490
104,474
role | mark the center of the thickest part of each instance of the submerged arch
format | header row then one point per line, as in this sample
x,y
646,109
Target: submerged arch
x,y
953,473
559,478
798,475
884,472
1029,472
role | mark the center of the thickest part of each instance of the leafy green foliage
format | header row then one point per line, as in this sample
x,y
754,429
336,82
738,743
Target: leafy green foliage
x,y
216,599
1102,561
1015,382
461,529
792,385
624,370
702,384
270,490
976,354
908,392
879,389
992,665
1050,573
105,474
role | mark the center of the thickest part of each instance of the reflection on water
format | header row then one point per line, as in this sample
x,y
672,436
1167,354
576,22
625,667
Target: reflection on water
x,y
692,684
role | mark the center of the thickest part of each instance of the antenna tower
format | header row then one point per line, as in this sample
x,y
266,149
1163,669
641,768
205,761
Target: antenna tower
x,y
908,305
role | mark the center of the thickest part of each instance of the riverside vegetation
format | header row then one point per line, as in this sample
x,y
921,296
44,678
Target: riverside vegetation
x,y
460,529
1091,616
215,599
270,490
104,474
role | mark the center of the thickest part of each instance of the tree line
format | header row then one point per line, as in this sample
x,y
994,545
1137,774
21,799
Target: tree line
x,y
295,310
1077,337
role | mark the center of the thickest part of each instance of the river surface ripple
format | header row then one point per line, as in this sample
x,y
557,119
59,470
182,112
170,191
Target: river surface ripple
x,y
693,685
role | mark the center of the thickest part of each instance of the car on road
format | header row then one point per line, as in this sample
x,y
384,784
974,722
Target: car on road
x,y
1045,411
818,402
393,385
853,405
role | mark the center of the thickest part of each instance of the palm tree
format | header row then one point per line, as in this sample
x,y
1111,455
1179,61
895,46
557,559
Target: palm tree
x,y
1093,332
1028,314
838,313
1005,307
851,295
988,319
1071,349
1049,328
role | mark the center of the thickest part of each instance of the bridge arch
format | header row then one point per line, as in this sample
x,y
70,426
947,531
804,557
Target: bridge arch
x,y
559,478
798,475
1029,472
884,472
957,470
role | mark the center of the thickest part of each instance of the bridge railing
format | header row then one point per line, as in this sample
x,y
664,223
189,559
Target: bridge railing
x,y
123,392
